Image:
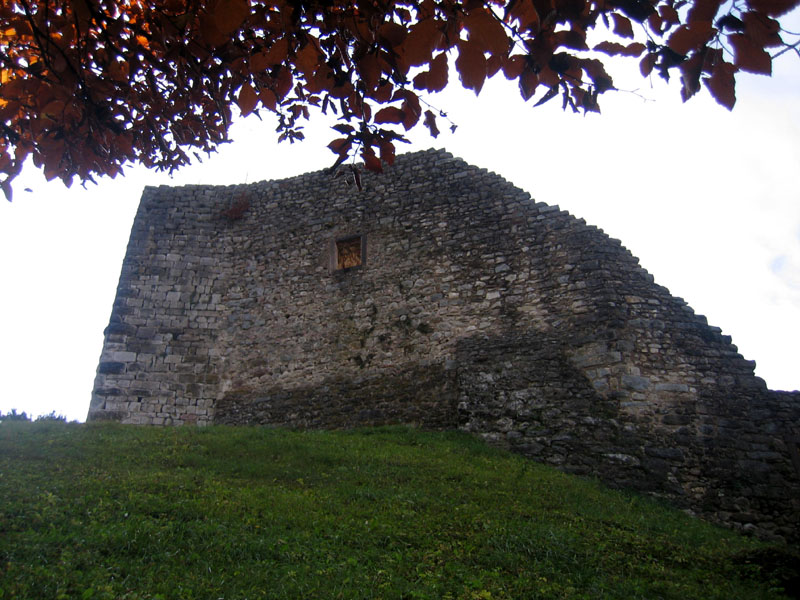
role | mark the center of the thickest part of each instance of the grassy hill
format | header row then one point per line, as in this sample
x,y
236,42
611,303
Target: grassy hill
x,y
121,512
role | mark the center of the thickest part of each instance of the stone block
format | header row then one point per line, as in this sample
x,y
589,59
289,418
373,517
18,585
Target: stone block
x,y
634,382
672,387
625,459
671,454
111,367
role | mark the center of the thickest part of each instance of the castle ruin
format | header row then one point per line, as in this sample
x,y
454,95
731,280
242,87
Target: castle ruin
x,y
440,295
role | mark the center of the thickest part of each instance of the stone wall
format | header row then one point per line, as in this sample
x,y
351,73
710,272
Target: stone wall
x,y
160,357
473,306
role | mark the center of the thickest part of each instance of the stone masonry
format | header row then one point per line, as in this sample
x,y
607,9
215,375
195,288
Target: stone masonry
x,y
442,296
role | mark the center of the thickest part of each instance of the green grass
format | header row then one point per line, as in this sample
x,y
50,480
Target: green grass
x,y
108,511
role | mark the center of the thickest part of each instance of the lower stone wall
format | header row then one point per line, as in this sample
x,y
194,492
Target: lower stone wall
x,y
751,467
732,459
421,396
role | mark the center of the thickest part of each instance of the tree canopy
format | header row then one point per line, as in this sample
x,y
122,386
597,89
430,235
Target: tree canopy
x,y
87,86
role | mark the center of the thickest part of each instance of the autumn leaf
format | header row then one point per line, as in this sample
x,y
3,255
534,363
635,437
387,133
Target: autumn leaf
x,y
307,59
430,123
370,71
773,8
119,71
422,39
690,37
390,114
525,14
435,79
721,84
570,38
564,63
340,146
471,65
762,30
259,62
749,56
588,101
597,73
638,10
622,25
730,22
222,19
247,99
387,153
528,82
83,15
384,93
493,64
5,185
551,93
410,107
277,53
53,110
283,83
690,75
392,33
268,99
485,29
668,14
655,24
703,10
614,49
230,14
371,162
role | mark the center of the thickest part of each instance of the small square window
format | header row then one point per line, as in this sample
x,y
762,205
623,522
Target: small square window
x,y
349,252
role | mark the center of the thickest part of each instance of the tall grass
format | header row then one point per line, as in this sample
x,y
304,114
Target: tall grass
x,y
120,512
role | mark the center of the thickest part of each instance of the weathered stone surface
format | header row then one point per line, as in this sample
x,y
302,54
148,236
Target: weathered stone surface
x,y
472,306
636,383
111,368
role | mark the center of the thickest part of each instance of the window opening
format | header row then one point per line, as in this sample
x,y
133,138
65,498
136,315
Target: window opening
x,y
349,252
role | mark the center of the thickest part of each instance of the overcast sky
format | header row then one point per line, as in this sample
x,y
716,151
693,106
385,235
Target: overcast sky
x,y
707,199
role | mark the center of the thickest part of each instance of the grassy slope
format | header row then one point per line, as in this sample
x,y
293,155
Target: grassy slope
x,y
133,512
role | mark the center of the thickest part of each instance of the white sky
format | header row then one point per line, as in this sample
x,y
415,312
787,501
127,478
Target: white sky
x,y
708,200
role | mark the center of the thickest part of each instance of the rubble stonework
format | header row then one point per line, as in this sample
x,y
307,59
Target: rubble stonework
x,y
468,305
